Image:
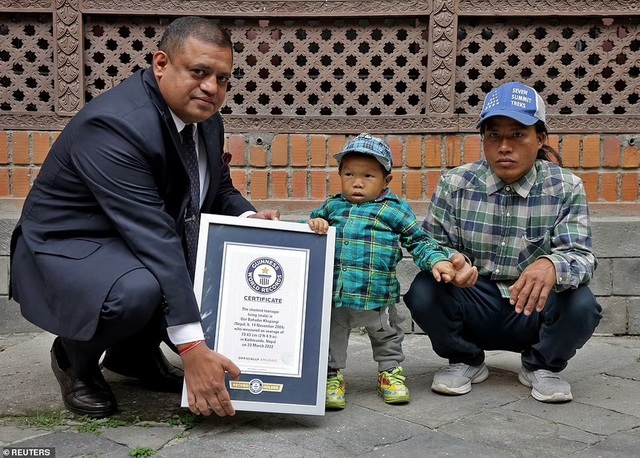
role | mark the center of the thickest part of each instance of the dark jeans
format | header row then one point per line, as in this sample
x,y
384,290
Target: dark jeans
x,y
463,322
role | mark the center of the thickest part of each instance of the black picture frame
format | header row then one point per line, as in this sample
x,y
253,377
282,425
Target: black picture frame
x,y
275,326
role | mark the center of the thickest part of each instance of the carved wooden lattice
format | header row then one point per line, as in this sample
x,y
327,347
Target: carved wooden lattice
x,y
116,47
287,67
338,66
26,63
578,65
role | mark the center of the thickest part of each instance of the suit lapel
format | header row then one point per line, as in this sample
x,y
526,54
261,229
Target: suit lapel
x,y
175,145
155,96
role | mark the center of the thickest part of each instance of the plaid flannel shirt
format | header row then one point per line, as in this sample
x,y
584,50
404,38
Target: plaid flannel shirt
x,y
505,228
368,239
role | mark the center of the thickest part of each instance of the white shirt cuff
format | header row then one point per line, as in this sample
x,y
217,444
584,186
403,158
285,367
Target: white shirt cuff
x,y
185,333
247,214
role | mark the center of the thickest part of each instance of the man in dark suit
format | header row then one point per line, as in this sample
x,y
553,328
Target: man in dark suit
x,y
102,257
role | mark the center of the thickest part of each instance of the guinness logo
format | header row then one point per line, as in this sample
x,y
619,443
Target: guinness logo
x,y
265,275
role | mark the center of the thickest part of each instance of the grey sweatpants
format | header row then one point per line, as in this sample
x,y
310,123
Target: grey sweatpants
x,y
384,333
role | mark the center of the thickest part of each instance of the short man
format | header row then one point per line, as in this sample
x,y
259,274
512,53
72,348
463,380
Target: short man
x,y
523,223
103,255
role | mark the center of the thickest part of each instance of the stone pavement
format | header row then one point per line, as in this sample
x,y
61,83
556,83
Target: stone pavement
x,y
497,419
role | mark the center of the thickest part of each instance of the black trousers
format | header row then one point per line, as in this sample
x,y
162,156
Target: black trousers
x,y
463,322
131,322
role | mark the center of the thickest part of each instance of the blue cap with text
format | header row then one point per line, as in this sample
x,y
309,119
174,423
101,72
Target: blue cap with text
x,y
516,101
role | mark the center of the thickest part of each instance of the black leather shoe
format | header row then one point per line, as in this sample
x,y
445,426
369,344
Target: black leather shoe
x,y
91,397
153,369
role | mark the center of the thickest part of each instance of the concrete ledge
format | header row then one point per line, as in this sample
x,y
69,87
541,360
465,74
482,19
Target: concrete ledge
x,y
616,235
11,321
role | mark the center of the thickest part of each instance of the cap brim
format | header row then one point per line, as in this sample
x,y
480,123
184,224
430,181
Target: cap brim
x,y
518,116
368,152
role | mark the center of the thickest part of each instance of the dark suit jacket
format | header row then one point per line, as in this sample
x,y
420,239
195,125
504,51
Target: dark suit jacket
x,y
111,197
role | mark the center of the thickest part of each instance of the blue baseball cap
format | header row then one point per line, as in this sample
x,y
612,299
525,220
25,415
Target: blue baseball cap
x,y
516,101
368,144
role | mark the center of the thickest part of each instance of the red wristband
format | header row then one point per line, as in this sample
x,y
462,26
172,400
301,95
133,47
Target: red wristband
x,y
189,347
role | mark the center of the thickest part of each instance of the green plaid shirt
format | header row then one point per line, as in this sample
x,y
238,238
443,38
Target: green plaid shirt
x,y
368,239
505,228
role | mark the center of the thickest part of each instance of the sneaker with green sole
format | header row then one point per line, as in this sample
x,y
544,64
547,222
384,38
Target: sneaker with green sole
x,y
392,388
336,387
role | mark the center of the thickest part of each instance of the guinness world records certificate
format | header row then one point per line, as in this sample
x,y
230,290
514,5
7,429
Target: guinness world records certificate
x,y
264,289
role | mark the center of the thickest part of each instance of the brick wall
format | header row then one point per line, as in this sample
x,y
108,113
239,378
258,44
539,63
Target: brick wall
x,y
299,169
295,172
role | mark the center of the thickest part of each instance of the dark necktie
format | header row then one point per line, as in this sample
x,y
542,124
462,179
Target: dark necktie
x,y
192,220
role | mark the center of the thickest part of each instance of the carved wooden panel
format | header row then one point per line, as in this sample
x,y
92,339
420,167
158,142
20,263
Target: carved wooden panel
x,y
68,51
580,66
441,66
263,8
546,8
336,65
27,71
291,67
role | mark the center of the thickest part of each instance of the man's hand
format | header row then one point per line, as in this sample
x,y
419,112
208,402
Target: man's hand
x,y
466,274
204,373
532,289
267,214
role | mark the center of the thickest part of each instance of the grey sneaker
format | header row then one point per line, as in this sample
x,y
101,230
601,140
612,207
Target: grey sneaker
x,y
457,378
546,386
